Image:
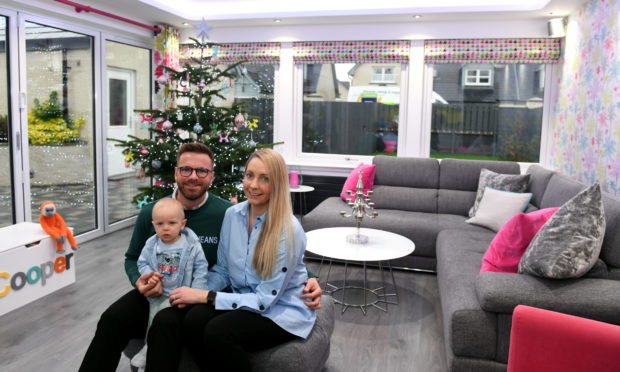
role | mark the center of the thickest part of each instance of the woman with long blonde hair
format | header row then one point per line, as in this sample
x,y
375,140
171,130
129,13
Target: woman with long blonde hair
x,y
260,257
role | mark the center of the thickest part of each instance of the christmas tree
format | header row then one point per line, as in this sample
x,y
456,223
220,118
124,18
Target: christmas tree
x,y
197,116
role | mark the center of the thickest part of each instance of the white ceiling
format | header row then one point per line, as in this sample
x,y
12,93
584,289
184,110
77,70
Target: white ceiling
x,y
236,13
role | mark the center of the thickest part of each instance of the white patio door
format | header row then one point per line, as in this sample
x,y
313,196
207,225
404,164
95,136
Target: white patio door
x,y
121,93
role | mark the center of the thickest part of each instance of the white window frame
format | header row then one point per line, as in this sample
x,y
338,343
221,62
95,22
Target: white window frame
x,y
291,135
477,76
380,76
550,71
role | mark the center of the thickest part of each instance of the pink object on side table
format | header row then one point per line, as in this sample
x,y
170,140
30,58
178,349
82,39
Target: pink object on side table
x,y
293,179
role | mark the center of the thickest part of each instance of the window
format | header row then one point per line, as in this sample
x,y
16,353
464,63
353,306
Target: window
x,y
60,75
128,73
500,124
254,87
477,77
345,113
382,75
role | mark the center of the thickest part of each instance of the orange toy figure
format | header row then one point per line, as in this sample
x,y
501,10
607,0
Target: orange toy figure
x,y
53,224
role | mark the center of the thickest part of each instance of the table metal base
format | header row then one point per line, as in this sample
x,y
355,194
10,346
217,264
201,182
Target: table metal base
x,y
377,295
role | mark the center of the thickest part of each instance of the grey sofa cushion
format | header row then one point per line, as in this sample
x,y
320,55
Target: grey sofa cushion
x,y
405,198
469,330
408,184
458,182
407,172
539,178
596,299
455,201
610,251
499,181
497,207
561,188
458,174
568,245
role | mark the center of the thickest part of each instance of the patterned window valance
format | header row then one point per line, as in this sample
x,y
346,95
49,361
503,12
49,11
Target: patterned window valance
x,y
229,53
351,51
492,51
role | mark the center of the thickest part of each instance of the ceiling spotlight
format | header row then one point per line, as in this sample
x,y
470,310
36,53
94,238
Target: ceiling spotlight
x,y
277,20
417,16
185,24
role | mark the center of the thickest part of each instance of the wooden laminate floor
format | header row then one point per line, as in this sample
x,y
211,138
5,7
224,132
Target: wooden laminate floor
x,y
52,333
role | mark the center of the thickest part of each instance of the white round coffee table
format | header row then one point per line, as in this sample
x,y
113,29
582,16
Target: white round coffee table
x,y
382,246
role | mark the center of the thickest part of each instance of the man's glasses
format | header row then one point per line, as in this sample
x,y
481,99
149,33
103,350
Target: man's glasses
x,y
200,172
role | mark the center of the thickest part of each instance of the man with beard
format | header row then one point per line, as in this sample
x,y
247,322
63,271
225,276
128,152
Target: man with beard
x,y
127,318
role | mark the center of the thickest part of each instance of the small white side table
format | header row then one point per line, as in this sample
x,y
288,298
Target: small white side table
x,y
302,190
382,246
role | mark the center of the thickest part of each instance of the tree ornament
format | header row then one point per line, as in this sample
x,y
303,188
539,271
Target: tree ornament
x,y
156,164
140,173
146,117
222,137
183,134
166,125
128,156
163,78
142,202
239,120
197,128
203,30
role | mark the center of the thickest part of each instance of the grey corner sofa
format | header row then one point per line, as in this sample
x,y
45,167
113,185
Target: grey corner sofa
x,y
428,201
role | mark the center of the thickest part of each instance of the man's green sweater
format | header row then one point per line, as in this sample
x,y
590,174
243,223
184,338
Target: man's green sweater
x,y
205,221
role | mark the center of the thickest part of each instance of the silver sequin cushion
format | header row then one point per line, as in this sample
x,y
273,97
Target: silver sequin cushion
x,y
498,181
568,245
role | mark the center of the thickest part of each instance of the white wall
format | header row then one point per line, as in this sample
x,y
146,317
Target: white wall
x,y
380,31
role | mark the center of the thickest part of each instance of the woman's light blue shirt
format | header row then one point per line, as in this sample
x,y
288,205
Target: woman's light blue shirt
x,y
277,297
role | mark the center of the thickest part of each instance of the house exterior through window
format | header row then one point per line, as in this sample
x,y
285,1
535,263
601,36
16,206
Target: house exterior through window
x,y
477,77
383,74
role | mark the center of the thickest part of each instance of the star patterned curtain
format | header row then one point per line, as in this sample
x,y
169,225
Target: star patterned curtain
x,y
543,50
382,51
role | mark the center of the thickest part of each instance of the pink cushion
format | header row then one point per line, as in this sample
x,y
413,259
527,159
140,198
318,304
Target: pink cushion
x,y
512,239
368,178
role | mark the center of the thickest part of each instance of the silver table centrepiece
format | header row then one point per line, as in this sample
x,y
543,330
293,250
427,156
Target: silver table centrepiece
x,y
361,207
